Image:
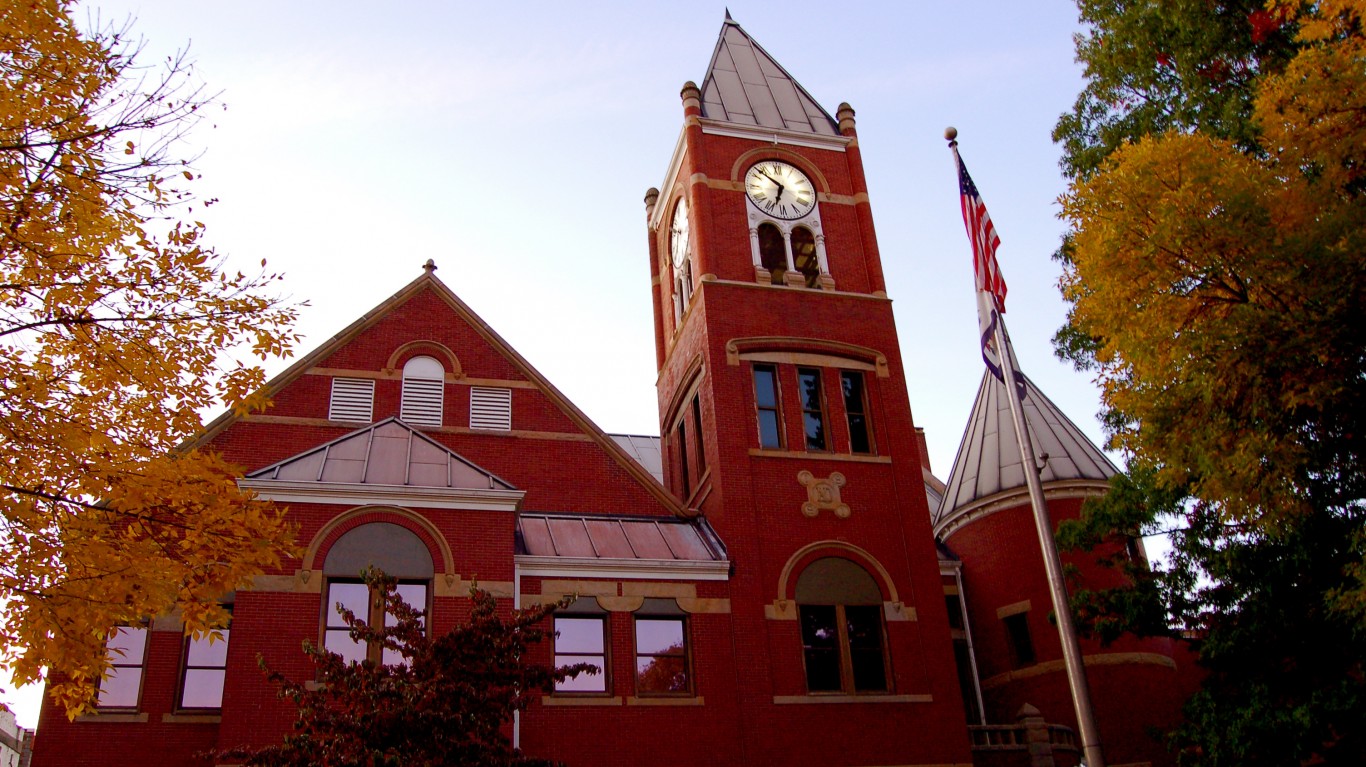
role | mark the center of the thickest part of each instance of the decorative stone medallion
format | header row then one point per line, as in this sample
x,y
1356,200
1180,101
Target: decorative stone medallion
x,y
823,494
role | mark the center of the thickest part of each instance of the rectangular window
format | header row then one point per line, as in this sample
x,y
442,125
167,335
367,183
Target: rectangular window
x,y
121,688
490,408
582,639
662,656
813,407
842,647
766,405
206,667
353,399
368,607
856,410
1021,643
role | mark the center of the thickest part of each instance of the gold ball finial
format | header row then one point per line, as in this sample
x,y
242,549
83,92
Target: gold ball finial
x,y
950,133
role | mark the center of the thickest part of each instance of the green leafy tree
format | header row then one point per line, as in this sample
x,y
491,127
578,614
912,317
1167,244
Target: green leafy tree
x,y
114,322
448,703
1215,274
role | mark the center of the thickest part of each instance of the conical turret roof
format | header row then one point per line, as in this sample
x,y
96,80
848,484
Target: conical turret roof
x,y
745,85
988,462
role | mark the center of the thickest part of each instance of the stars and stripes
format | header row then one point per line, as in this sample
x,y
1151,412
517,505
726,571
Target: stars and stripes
x,y
983,237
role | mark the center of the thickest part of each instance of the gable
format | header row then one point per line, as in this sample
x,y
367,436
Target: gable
x,y
555,453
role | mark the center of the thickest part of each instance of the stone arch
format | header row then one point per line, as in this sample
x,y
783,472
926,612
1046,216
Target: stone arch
x,y
442,558
430,348
811,552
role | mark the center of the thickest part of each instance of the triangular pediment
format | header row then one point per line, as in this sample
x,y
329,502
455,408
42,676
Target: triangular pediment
x,y
386,453
747,86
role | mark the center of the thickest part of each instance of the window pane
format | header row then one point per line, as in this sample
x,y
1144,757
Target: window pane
x,y
340,642
765,389
208,652
584,682
579,635
768,429
127,645
864,625
809,388
659,637
203,688
414,595
353,596
855,409
665,673
120,688
820,644
815,431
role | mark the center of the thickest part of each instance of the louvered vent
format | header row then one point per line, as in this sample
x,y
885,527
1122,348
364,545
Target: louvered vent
x,y
490,408
422,401
353,399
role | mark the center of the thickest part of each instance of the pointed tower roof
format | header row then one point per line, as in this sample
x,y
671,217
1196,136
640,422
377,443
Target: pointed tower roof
x,y
988,466
745,85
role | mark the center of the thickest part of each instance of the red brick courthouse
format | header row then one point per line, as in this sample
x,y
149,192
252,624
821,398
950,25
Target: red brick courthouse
x,y
776,580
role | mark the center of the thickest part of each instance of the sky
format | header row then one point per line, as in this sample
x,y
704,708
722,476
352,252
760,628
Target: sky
x,y
512,144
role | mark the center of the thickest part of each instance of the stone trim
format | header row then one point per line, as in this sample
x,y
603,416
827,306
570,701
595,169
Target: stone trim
x,y
191,718
759,452
565,700
817,699
1091,661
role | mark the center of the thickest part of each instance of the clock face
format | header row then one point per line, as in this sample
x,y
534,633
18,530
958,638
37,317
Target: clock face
x,y
678,233
780,190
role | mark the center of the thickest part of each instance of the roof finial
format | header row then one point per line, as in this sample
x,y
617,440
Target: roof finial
x,y
429,267
951,136
728,18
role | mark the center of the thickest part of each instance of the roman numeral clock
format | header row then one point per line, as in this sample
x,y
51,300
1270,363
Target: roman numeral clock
x,y
784,226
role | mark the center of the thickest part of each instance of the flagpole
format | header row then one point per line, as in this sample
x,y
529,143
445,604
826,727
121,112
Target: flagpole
x,y
1043,525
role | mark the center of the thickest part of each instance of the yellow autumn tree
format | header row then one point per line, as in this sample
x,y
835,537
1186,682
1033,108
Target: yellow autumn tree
x,y
1227,289
114,323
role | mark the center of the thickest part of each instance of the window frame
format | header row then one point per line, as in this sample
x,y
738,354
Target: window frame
x,y
685,654
114,663
1020,638
820,412
776,408
604,671
374,652
186,668
862,402
848,683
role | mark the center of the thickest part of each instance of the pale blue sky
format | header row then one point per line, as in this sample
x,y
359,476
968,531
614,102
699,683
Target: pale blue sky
x,y
513,143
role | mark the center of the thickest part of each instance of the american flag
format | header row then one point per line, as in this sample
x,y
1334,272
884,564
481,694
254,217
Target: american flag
x,y
983,237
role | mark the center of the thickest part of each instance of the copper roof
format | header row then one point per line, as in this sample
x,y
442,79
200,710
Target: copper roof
x,y
988,460
745,85
389,453
618,537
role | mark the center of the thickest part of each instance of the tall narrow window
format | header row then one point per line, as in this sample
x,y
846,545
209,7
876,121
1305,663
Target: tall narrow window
x,y
700,453
856,410
582,639
206,668
772,252
766,406
839,607
1021,643
423,390
813,407
683,478
804,256
122,686
366,604
662,666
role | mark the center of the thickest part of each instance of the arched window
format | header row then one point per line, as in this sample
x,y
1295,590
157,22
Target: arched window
x,y
804,256
383,545
772,252
839,606
423,391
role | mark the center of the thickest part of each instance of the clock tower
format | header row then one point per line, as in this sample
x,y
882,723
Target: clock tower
x,y
786,423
